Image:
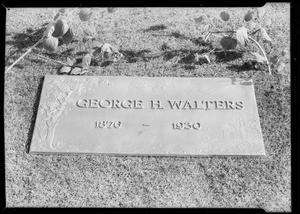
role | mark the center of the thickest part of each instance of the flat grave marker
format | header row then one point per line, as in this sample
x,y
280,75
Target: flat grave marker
x,y
147,116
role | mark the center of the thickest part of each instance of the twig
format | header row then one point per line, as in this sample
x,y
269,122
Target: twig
x,y
211,23
262,50
209,33
213,50
255,31
56,61
207,36
225,31
52,60
21,57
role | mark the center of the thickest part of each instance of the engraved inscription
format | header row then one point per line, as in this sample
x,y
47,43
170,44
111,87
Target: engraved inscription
x,y
186,125
156,104
160,105
115,104
206,105
108,124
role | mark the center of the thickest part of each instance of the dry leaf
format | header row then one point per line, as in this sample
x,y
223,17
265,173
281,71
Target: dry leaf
x,y
241,35
57,16
84,70
71,61
274,59
206,57
280,68
199,20
107,52
65,69
86,61
51,44
111,9
248,16
49,30
265,35
97,52
228,43
68,37
85,14
259,58
76,71
61,27
62,10
225,16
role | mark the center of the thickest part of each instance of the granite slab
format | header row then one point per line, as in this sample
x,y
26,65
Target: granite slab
x,y
147,116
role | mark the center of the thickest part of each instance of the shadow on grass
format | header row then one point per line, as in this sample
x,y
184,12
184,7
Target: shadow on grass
x,y
175,34
19,66
189,67
189,56
238,68
54,56
68,51
81,53
155,28
59,56
185,56
22,41
26,40
201,43
33,118
247,66
38,61
106,63
178,35
132,56
224,56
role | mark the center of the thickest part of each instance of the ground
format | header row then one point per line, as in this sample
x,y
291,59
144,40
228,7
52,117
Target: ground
x,y
148,181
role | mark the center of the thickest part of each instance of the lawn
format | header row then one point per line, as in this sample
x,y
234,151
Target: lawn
x,y
155,42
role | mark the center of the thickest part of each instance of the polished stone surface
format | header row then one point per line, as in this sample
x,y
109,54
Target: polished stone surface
x,y
147,116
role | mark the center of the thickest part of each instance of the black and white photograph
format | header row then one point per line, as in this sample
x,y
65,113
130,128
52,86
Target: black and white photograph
x,y
148,107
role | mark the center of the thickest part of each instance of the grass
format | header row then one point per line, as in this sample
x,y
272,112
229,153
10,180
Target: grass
x,y
152,40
